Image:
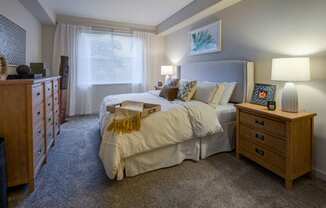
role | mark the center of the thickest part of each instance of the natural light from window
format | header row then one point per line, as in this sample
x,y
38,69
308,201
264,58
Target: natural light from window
x,y
111,57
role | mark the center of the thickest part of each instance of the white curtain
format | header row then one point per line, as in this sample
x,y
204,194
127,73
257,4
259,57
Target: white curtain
x,y
77,42
143,66
67,42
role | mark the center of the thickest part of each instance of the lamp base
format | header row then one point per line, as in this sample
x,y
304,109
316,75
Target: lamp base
x,y
290,98
167,78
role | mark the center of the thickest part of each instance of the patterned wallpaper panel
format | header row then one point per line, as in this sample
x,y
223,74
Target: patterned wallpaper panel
x,y
12,42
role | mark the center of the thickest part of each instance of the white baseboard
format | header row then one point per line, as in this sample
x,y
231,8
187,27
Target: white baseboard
x,y
319,174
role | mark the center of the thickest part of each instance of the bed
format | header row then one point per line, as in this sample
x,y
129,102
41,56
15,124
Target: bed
x,y
168,138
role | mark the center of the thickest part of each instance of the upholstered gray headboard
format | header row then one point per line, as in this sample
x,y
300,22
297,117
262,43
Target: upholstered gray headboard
x,y
241,72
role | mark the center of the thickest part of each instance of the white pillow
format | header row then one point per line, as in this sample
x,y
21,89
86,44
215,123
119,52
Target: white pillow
x,y
209,92
228,91
205,91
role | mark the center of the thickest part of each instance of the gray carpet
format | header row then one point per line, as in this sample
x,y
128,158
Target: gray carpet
x,y
74,177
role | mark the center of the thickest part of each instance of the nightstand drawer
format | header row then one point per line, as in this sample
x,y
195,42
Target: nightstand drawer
x,y
277,128
263,156
273,143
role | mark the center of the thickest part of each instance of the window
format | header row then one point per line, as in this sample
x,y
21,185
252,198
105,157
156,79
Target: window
x,y
111,57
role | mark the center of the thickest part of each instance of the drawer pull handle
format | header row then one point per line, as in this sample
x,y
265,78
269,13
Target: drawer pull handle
x,y
49,119
38,94
260,137
260,152
261,123
49,89
38,113
39,132
49,104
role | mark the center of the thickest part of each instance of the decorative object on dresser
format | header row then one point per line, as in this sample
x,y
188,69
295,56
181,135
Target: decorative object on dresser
x,y
271,105
24,72
207,39
64,72
38,68
263,93
290,70
3,68
167,71
30,125
278,141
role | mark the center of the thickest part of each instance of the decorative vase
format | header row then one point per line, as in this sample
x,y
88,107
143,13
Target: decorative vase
x,y
3,68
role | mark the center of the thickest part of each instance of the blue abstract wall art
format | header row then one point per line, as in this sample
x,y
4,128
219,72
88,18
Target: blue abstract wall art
x,y
207,39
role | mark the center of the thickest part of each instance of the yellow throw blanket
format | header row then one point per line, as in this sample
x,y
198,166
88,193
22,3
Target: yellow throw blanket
x,y
127,116
125,121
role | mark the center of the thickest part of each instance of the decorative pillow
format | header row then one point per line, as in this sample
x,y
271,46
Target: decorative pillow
x,y
187,90
169,93
228,91
217,96
205,91
172,83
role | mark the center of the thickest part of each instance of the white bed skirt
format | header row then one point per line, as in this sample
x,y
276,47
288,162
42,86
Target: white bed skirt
x,y
194,149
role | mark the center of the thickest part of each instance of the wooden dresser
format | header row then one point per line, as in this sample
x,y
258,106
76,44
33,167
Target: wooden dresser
x,y
29,122
278,141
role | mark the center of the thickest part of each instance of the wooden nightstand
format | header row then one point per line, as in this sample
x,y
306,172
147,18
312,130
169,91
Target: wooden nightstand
x,y
279,141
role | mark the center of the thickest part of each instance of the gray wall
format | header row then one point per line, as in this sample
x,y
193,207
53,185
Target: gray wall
x,y
260,30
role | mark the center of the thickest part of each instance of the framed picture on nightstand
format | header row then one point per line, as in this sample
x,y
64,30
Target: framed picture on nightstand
x,y
263,93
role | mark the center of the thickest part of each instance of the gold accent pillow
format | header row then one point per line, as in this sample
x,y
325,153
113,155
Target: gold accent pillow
x,y
187,90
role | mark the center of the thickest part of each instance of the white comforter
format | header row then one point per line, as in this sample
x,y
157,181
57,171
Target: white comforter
x,y
176,122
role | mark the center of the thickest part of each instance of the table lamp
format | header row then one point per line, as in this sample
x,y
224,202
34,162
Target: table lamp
x,y
167,71
290,70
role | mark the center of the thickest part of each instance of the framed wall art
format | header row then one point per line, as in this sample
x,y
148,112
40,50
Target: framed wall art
x,y
263,93
207,39
12,42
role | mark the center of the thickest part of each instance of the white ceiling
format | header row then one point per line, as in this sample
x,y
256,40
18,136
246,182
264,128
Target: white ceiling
x,y
146,12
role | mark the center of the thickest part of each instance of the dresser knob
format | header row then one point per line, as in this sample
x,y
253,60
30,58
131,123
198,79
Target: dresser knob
x,y
260,152
260,136
38,94
261,123
38,113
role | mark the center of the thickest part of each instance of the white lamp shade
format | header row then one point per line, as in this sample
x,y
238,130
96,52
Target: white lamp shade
x,y
166,70
291,69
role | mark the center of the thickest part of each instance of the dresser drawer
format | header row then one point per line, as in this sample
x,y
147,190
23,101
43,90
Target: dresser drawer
x,y
38,114
55,86
38,135
49,120
48,88
56,98
39,146
50,136
277,128
49,104
263,156
37,93
255,136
